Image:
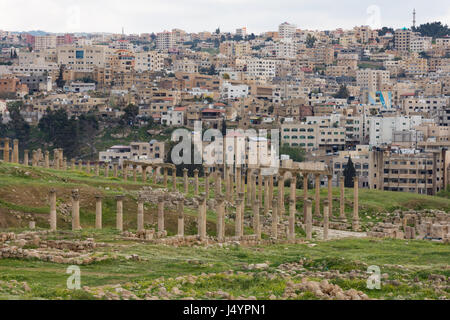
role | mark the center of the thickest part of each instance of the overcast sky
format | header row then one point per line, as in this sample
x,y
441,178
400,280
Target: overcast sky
x,y
141,16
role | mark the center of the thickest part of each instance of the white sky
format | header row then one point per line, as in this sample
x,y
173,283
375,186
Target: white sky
x,y
142,16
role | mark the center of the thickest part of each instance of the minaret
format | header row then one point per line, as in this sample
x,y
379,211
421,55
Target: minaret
x,y
414,18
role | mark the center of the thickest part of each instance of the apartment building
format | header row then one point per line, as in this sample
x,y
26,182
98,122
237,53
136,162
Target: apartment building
x,y
362,161
45,42
84,58
286,30
371,81
148,61
381,129
410,170
165,41
233,91
261,68
312,136
402,39
424,105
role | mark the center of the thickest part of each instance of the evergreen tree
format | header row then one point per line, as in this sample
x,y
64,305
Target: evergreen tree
x,y
349,174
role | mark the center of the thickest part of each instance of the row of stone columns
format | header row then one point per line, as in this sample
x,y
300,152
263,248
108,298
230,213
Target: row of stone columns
x,y
7,155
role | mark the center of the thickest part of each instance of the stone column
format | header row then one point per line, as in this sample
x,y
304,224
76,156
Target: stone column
x,y
280,195
144,173
165,176
275,219
75,210
97,170
186,180
155,171
47,159
256,219
330,195
88,167
64,166
174,179
119,214
305,194
206,183
34,160
52,209
80,165
61,157
202,216
140,214
26,160
293,190
6,150
238,220
317,200
107,170
342,198
270,191
72,164
16,151
98,212
220,217
161,201
116,170
292,211
125,172
242,197
308,221
181,218
249,187
355,222
260,187
267,198
238,179
134,173
305,186
326,220
196,182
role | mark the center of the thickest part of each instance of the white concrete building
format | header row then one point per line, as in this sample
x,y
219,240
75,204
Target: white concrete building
x,y
230,91
381,130
286,30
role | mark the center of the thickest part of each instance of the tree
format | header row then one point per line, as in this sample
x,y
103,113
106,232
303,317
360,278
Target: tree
x,y
297,154
310,40
342,93
385,30
60,131
60,81
130,115
349,174
218,31
433,29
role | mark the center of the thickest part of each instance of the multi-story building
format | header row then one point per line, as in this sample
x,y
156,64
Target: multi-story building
x,y
261,68
165,41
402,39
44,42
85,58
410,170
286,30
148,61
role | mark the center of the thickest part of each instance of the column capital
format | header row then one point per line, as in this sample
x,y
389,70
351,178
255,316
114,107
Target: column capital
x,y
120,197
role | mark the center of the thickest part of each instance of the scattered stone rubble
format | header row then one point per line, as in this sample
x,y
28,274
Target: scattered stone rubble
x,y
29,245
424,224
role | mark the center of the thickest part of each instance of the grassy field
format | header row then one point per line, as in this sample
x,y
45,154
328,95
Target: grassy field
x,y
409,267
404,262
17,181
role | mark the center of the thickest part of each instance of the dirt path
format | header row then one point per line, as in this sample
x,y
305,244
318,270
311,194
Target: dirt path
x,y
339,234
